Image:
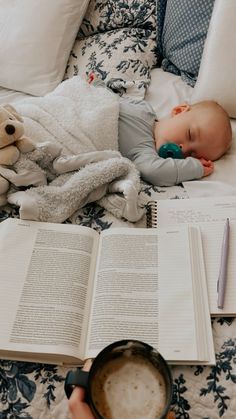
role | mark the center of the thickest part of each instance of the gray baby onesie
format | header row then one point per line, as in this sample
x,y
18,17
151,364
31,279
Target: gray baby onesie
x,y
136,122
136,142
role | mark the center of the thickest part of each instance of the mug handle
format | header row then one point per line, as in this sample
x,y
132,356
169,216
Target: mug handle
x,y
74,379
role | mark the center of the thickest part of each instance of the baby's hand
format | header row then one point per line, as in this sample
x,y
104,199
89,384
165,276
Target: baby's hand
x,y
208,166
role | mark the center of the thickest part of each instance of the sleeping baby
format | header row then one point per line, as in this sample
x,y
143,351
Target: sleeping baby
x,y
202,131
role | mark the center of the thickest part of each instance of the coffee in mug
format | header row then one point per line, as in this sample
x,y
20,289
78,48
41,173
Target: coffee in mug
x,y
129,387
128,380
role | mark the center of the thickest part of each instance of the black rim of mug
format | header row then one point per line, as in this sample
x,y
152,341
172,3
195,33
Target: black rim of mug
x,y
149,351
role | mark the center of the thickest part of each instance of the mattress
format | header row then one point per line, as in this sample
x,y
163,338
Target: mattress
x,y
33,390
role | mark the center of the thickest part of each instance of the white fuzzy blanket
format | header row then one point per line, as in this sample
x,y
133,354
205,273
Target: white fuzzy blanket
x,y
76,115
81,119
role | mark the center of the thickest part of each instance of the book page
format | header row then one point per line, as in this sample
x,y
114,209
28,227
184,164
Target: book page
x,y
45,269
196,210
139,294
178,312
210,214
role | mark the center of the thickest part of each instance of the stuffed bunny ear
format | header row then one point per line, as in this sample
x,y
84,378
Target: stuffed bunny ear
x,y
13,111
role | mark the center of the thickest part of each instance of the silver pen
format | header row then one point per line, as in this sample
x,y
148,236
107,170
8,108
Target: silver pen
x,y
221,284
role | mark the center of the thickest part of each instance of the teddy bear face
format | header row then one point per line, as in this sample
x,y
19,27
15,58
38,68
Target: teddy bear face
x,y
11,127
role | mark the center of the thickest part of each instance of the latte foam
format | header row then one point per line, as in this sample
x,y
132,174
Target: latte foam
x,y
129,388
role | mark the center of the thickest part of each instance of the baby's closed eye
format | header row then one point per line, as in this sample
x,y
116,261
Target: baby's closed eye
x,y
190,136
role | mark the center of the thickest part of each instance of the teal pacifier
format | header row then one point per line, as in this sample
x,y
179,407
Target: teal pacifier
x,y
171,150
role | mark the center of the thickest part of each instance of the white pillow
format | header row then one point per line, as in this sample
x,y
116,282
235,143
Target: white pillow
x,y
36,37
166,91
217,74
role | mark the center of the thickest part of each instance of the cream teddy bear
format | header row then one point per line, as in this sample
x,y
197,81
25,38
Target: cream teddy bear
x,y
12,142
22,163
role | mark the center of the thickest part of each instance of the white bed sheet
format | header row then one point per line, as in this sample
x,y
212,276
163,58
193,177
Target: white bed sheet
x,y
168,90
11,96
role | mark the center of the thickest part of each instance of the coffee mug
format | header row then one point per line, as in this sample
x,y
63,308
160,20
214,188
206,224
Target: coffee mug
x,y
127,379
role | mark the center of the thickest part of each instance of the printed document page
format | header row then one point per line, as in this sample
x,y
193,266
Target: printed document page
x,y
143,290
45,270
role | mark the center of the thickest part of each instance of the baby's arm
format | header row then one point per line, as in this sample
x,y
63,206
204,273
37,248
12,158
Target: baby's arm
x,y
164,172
208,166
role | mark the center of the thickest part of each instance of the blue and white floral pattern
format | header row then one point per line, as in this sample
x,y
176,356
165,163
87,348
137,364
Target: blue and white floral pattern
x,y
32,390
117,40
106,15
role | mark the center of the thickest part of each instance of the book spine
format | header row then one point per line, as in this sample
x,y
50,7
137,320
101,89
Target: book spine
x,y
151,215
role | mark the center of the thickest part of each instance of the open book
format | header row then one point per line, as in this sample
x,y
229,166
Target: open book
x,y
68,291
210,215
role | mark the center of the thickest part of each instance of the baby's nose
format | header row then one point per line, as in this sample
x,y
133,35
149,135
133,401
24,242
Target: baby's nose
x,y
10,129
186,150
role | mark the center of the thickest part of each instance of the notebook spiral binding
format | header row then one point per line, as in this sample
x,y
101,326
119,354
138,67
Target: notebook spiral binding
x,y
151,215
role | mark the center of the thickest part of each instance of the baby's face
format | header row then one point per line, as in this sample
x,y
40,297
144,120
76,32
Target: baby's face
x,y
194,131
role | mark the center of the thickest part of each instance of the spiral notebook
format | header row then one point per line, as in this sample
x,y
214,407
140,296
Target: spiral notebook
x,y
151,214
209,214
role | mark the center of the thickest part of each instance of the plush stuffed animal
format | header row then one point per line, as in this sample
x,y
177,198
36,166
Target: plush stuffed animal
x,y
12,142
22,163
12,139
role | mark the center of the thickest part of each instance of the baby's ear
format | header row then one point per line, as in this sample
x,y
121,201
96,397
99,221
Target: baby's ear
x,y
184,107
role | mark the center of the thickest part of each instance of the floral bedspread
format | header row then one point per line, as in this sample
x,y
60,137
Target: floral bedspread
x,y
33,390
